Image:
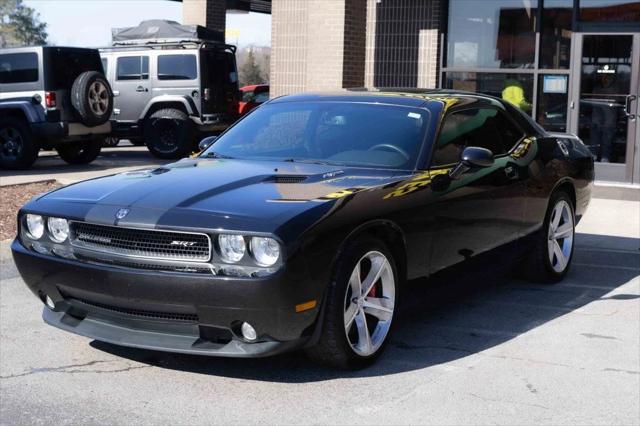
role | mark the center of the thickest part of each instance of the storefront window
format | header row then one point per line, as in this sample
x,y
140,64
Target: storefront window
x,y
491,33
553,92
515,88
610,10
555,37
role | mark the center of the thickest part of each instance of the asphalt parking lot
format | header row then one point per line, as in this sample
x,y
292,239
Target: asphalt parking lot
x,y
111,160
481,351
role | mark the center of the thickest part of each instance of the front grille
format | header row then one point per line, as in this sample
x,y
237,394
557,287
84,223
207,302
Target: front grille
x,y
133,263
141,243
172,316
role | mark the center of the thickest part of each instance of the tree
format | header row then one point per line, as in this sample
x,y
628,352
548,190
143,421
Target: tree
x,y
20,25
250,72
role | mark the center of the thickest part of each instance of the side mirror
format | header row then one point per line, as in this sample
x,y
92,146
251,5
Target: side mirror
x,y
472,157
206,142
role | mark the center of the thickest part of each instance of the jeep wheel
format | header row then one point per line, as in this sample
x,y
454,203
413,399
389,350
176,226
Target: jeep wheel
x,y
168,133
92,98
18,150
110,142
80,152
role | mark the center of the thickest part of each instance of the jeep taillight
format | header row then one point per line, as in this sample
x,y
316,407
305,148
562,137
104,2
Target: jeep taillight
x,y
207,94
50,99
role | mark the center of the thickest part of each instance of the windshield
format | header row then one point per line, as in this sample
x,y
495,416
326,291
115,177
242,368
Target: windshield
x,y
340,133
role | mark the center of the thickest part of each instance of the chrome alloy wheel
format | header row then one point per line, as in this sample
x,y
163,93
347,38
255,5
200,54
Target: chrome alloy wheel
x,y
369,303
560,236
98,98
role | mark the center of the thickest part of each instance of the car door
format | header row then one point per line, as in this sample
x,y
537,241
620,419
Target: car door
x,y
131,87
484,208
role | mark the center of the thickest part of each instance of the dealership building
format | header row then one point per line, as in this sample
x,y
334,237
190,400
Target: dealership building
x,y
574,65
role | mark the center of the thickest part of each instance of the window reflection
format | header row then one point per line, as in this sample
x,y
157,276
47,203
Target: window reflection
x,y
610,10
515,88
555,36
499,34
552,102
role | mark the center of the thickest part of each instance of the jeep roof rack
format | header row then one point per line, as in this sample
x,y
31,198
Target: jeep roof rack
x,y
163,34
169,44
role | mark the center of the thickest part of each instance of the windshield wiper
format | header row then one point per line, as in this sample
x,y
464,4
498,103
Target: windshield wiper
x,y
214,154
298,160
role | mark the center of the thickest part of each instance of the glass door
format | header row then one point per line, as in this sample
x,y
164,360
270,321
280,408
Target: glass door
x,y
604,102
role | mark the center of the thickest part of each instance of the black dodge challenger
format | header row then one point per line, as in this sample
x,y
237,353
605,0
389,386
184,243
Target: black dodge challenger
x,y
298,226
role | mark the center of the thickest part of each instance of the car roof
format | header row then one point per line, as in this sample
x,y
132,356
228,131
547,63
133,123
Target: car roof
x,y
401,97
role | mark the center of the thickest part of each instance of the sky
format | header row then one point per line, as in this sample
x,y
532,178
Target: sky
x,y
88,23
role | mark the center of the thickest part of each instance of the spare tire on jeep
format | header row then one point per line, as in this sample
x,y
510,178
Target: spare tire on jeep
x,y
92,98
169,133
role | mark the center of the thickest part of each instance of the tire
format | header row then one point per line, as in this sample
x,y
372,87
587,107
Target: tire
x,y
80,152
544,263
18,149
110,142
341,345
92,98
168,134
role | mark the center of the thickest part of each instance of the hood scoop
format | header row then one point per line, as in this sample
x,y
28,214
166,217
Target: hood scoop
x,y
287,178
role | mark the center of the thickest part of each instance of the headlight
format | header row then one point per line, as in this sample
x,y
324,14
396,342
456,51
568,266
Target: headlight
x,y
35,226
232,247
58,229
265,251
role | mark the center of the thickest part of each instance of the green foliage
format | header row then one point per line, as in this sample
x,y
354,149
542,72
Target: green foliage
x,y
250,71
20,25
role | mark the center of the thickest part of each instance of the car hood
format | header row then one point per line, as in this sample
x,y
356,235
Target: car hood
x,y
206,193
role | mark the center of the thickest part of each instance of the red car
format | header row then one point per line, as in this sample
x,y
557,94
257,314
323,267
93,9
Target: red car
x,y
252,96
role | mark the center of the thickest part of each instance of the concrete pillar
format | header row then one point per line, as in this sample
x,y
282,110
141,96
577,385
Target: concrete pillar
x,y
208,13
317,45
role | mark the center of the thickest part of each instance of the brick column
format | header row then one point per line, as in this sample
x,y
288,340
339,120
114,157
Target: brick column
x,y
208,13
317,45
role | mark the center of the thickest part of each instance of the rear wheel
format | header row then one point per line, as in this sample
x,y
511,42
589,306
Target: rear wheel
x,y
552,253
80,152
169,133
359,307
18,150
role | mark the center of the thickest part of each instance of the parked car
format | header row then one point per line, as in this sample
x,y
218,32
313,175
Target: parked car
x,y
301,223
52,97
253,96
168,94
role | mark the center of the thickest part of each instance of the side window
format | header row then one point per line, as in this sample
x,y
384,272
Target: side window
x,y
247,96
262,97
105,64
177,67
18,68
133,68
481,127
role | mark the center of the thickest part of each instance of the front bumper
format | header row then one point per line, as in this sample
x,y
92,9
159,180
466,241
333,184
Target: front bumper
x,y
175,312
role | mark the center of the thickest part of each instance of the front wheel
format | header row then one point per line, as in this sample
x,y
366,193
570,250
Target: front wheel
x,y
79,152
551,256
359,307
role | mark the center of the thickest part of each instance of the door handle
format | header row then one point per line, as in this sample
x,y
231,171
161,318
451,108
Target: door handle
x,y
141,89
627,106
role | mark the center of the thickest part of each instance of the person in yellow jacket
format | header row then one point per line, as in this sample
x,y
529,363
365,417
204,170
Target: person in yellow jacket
x,y
513,92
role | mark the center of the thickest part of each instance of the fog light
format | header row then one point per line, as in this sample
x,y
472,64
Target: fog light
x,y
50,303
248,332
